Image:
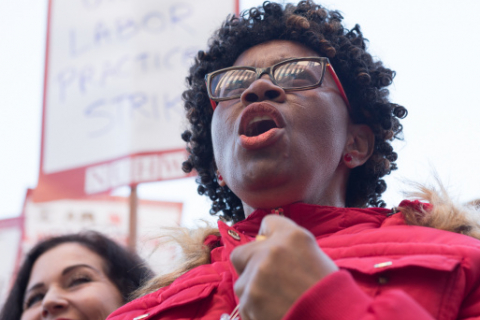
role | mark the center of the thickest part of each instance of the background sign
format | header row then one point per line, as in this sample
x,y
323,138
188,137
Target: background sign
x,y
115,71
106,214
10,251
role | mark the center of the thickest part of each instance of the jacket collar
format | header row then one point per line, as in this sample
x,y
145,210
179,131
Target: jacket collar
x,y
319,220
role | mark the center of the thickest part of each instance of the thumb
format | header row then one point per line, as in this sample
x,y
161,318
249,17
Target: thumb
x,y
275,224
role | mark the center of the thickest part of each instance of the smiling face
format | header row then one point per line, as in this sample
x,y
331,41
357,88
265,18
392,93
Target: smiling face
x,y
273,147
69,282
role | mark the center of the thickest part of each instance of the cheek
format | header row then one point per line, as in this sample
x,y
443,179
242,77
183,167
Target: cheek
x,y
32,314
322,126
99,301
218,139
321,114
223,136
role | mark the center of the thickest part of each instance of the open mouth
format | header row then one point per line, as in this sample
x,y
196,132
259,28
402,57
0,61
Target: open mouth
x,y
259,125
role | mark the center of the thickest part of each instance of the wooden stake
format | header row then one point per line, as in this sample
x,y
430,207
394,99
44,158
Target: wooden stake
x,y
132,233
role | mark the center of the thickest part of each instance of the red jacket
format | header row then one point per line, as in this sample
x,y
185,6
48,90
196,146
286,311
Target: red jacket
x,y
388,270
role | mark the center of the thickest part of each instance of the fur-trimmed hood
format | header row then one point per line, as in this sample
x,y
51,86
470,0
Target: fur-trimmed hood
x,y
442,212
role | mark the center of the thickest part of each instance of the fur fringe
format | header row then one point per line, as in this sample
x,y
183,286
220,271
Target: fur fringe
x,y
194,254
445,214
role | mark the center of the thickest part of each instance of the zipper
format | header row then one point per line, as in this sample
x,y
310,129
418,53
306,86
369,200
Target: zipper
x,y
235,315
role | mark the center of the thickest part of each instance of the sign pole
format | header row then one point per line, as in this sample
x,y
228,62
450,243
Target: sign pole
x,y
132,233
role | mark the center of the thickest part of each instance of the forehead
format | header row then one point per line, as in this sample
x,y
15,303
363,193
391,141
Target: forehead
x,y
268,53
52,263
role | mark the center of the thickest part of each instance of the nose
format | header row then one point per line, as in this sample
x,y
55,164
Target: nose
x,y
54,303
263,89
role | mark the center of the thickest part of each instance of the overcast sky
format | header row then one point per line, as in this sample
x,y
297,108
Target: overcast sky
x,y
432,45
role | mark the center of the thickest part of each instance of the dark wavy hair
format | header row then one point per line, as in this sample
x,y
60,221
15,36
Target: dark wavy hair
x,y
125,269
321,30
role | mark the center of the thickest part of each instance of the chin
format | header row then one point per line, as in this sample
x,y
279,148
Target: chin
x,y
269,198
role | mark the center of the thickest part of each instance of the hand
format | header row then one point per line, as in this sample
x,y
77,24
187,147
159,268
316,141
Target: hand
x,y
275,272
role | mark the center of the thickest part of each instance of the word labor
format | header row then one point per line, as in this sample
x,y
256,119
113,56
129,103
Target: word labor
x,y
125,109
126,28
81,80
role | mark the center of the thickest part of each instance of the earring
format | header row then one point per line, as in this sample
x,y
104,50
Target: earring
x,y
220,180
347,157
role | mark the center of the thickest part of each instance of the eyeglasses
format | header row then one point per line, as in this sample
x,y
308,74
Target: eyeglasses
x,y
291,75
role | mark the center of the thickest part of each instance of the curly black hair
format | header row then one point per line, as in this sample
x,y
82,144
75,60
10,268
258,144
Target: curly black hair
x,y
321,30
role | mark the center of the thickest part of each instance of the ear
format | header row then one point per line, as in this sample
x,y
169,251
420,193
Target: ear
x,y
220,180
359,145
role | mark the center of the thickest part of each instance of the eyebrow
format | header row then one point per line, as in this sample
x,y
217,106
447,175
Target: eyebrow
x,y
64,272
76,266
275,61
281,59
38,285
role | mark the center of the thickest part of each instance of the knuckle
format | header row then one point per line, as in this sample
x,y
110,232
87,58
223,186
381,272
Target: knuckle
x,y
269,218
252,292
275,252
263,269
236,255
255,293
300,235
238,288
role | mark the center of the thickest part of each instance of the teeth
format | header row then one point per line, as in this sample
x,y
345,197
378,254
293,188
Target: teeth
x,y
259,118
259,125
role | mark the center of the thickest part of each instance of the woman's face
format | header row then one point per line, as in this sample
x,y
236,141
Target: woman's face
x,y
299,159
68,282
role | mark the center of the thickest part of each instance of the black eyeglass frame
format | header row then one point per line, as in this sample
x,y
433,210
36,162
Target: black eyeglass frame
x,y
261,71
